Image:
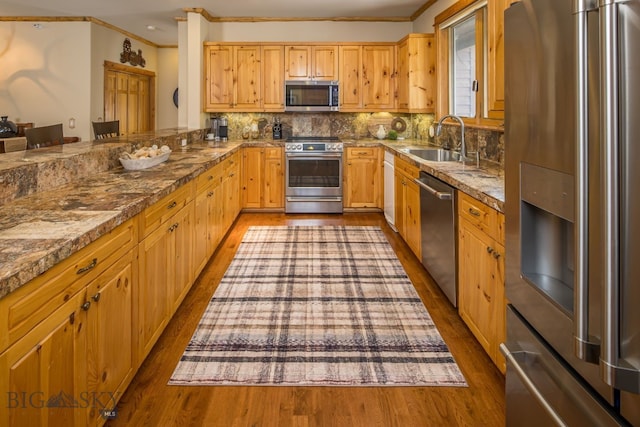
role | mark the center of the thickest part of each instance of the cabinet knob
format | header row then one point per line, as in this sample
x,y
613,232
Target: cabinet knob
x,y
96,297
86,305
489,249
172,205
496,255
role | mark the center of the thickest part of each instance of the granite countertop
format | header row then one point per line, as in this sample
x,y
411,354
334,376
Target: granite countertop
x,y
39,230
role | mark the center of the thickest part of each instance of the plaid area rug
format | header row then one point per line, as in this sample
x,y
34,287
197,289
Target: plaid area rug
x,y
316,305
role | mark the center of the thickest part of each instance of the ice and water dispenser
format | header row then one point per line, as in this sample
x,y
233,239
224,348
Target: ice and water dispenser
x,y
547,232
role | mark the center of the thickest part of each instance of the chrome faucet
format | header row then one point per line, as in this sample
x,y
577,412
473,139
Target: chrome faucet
x,y
463,149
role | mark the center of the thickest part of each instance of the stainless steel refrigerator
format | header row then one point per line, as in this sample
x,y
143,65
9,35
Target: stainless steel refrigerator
x,y
572,150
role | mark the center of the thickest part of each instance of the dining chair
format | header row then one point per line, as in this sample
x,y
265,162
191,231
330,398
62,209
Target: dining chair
x,y
44,136
104,130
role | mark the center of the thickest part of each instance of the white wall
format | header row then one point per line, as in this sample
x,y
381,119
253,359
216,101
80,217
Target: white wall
x,y
424,23
106,45
45,74
309,31
167,82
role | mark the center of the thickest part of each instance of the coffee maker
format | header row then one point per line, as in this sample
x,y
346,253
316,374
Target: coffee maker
x,y
219,129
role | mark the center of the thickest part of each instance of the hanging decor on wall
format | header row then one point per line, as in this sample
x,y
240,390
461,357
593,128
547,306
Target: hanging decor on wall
x,y
131,57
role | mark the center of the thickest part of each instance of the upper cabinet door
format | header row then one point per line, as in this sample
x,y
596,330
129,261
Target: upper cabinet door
x,y
218,84
378,82
350,78
495,12
311,62
247,82
273,78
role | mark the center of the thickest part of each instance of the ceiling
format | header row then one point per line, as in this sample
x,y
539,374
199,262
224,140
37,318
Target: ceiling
x,y
135,15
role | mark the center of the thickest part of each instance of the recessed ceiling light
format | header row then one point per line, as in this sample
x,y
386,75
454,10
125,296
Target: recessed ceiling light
x,y
151,27
38,26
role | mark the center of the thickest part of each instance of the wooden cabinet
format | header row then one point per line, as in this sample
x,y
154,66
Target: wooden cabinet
x,y
232,77
273,78
165,263
263,177
60,334
481,301
407,204
350,77
416,74
208,216
363,177
378,82
232,199
110,343
495,66
315,61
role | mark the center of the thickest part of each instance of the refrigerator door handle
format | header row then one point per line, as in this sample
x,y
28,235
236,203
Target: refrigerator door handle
x,y
530,386
614,372
586,347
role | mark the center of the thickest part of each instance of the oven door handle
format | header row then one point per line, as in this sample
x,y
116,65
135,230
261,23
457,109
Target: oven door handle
x,y
314,199
313,156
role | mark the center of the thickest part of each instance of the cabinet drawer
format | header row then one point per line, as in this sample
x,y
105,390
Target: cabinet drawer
x,y
407,168
23,309
162,210
362,153
213,176
477,213
231,165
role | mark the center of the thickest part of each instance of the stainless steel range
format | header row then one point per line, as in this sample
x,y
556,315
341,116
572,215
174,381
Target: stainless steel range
x,y
313,175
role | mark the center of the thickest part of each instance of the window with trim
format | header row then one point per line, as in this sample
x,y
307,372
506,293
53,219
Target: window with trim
x,y
462,60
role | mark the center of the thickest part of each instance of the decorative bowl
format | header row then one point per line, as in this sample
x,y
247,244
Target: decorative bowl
x,y
145,162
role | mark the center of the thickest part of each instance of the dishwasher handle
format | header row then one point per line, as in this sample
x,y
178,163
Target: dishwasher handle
x,y
442,195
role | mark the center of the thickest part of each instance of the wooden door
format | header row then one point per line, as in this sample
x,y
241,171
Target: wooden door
x,y
412,217
218,78
273,78
495,63
297,62
252,173
273,188
155,281
362,186
324,62
350,77
378,63
110,352
181,252
476,302
247,86
43,374
129,97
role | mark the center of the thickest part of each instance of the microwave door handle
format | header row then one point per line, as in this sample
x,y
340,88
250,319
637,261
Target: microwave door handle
x,y
585,347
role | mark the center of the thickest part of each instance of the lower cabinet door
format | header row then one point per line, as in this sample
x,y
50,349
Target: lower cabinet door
x,y
43,375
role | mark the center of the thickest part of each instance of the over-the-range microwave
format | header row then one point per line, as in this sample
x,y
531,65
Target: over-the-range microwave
x,y
311,95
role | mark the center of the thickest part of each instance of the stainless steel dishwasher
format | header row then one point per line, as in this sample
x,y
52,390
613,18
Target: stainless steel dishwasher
x,y
437,220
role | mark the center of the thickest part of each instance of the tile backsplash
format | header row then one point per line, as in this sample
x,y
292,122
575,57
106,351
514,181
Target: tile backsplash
x,y
355,126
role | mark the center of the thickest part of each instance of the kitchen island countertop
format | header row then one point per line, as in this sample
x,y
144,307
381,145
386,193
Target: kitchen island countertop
x,y
39,230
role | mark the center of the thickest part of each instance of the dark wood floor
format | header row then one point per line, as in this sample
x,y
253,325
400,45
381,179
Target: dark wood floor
x,y
149,401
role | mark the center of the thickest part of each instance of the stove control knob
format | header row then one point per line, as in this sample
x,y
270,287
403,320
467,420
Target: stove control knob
x,y
299,147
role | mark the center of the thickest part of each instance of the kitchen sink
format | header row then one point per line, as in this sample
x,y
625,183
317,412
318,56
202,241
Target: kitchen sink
x,y
434,154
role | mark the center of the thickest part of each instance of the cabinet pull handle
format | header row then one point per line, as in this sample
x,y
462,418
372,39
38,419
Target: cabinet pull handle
x,y
96,297
474,212
94,262
496,255
489,249
172,205
86,305
210,177
72,318
210,193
